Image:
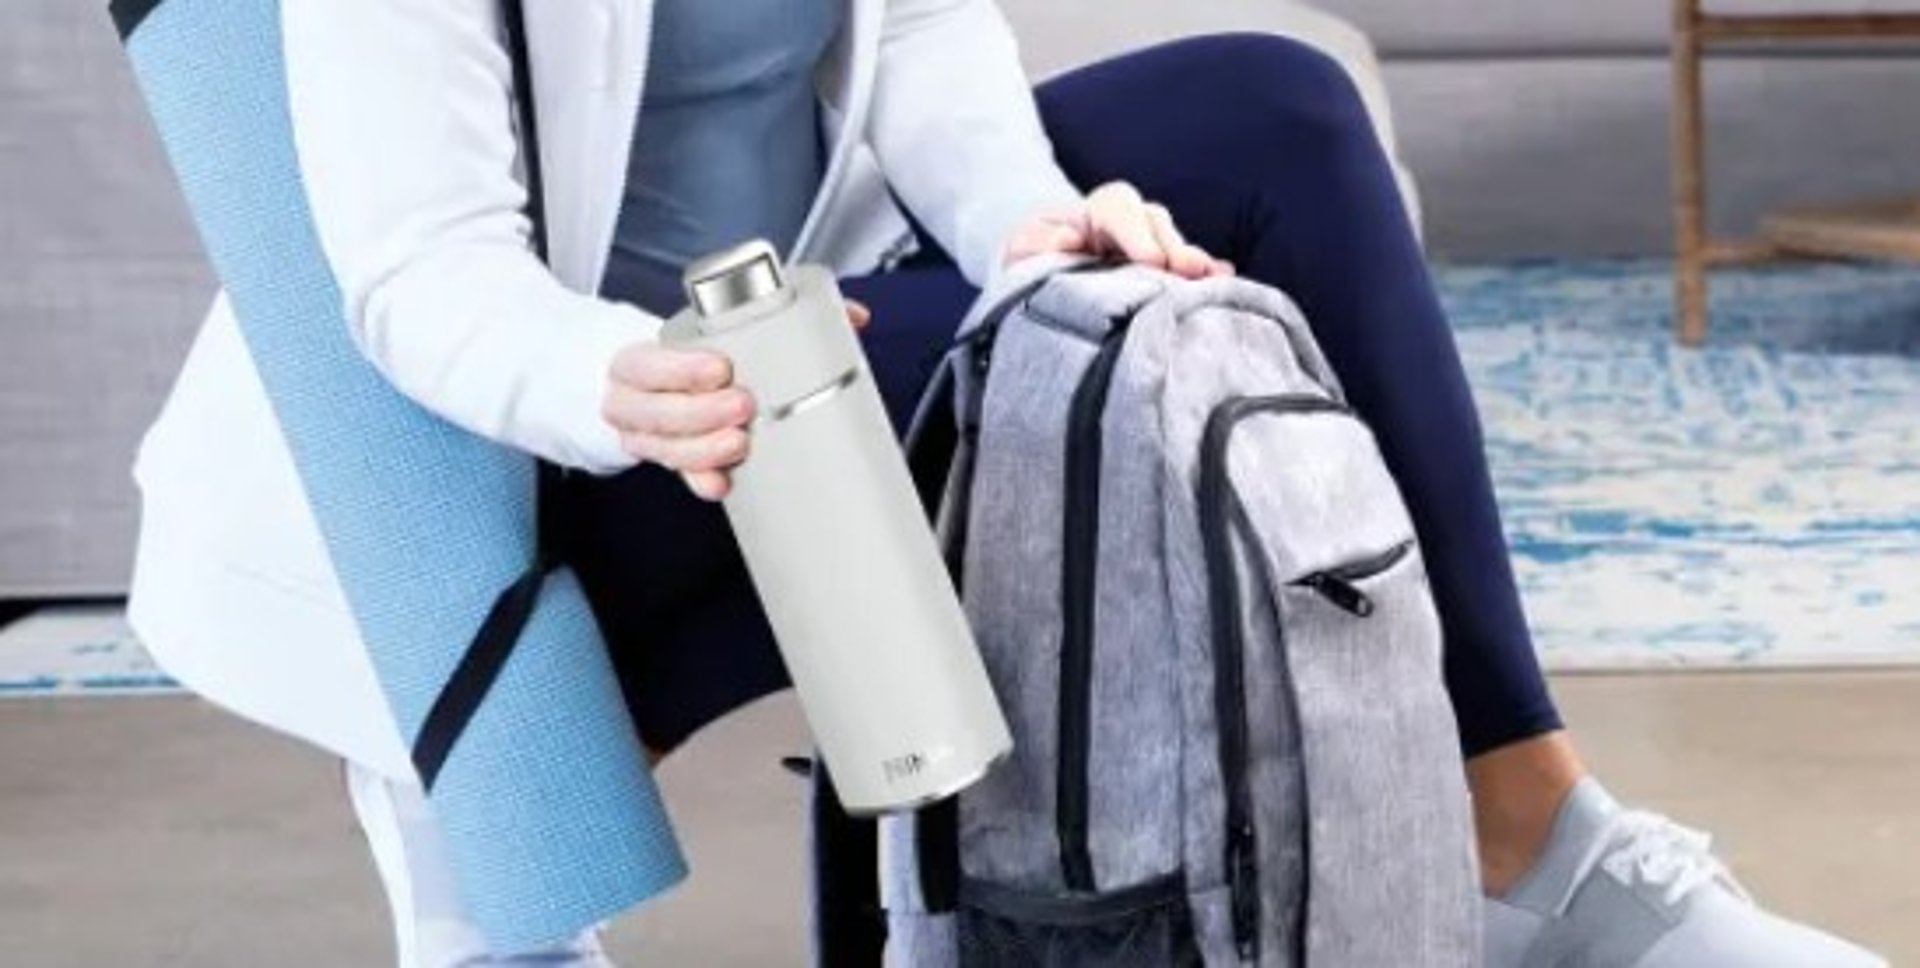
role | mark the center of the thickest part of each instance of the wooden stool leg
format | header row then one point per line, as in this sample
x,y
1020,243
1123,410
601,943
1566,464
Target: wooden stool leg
x,y
1689,177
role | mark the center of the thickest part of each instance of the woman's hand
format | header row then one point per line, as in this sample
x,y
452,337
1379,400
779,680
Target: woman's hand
x,y
680,409
1117,221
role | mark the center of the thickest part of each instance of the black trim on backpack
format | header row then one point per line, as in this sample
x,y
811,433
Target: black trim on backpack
x,y
492,646
128,15
1217,505
931,439
1079,568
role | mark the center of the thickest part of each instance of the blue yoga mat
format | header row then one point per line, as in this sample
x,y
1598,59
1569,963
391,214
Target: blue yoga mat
x,y
550,815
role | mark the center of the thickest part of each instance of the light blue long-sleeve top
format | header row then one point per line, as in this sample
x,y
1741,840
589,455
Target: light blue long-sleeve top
x,y
728,145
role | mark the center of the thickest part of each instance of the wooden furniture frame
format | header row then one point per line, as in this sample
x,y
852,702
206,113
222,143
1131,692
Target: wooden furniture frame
x,y
1878,230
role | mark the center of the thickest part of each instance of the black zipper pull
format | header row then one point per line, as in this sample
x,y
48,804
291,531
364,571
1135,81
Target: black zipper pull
x,y
1243,886
1341,592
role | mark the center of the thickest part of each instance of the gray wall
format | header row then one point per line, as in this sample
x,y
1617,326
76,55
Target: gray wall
x,y
100,285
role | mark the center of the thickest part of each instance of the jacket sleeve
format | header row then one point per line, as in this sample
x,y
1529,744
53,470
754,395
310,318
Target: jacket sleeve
x,y
956,131
403,123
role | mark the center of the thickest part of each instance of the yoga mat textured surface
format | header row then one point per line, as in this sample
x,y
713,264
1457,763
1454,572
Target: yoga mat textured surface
x,y
551,817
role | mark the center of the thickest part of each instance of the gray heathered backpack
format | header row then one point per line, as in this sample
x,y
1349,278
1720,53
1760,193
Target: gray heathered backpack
x,y
1200,598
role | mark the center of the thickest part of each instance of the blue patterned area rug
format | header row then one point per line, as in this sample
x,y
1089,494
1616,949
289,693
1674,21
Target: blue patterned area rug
x,y
1752,503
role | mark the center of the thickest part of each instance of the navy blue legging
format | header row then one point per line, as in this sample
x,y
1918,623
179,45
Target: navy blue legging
x,y
1262,150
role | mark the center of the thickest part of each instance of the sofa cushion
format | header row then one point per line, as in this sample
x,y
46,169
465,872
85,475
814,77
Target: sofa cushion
x,y
1056,35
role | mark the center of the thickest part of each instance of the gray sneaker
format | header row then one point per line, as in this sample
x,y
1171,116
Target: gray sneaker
x,y
1618,888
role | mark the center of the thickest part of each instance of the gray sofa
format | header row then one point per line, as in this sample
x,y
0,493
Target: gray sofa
x,y
1540,127
1533,127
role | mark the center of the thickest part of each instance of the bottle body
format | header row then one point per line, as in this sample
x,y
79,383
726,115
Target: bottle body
x,y
845,563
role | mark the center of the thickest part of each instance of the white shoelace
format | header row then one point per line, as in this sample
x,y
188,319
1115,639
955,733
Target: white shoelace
x,y
1637,847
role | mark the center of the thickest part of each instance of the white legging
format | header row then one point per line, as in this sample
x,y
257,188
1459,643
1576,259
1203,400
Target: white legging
x,y
430,925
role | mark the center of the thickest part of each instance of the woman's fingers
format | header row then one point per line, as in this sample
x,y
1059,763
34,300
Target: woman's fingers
x,y
1121,223
661,369
1047,234
716,451
679,409
1124,222
708,485
1183,259
677,414
1118,220
1063,236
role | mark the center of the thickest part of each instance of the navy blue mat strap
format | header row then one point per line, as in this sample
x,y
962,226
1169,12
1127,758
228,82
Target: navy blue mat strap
x,y
478,670
128,14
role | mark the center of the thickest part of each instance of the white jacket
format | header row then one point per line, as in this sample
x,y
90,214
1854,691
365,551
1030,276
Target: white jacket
x,y
402,121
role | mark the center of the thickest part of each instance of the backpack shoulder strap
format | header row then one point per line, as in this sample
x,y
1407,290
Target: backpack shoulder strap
x,y
940,448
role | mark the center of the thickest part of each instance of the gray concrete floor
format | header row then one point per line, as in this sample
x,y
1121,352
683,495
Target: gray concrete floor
x,y
159,832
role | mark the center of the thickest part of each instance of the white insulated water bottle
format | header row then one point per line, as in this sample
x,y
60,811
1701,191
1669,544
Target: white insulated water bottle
x,y
834,536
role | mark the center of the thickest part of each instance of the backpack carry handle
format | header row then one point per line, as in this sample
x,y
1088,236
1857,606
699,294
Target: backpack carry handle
x,y
940,437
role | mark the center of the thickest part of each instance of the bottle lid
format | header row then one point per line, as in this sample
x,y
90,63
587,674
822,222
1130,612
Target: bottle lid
x,y
734,277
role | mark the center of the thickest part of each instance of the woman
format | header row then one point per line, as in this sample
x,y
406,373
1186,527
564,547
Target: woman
x,y
674,127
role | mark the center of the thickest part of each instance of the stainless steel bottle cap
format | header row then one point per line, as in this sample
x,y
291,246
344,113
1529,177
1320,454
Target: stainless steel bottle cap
x,y
734,277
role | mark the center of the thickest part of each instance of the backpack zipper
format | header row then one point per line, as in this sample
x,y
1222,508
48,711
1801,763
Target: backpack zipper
x,y
1341,585
1215,500
1079,564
